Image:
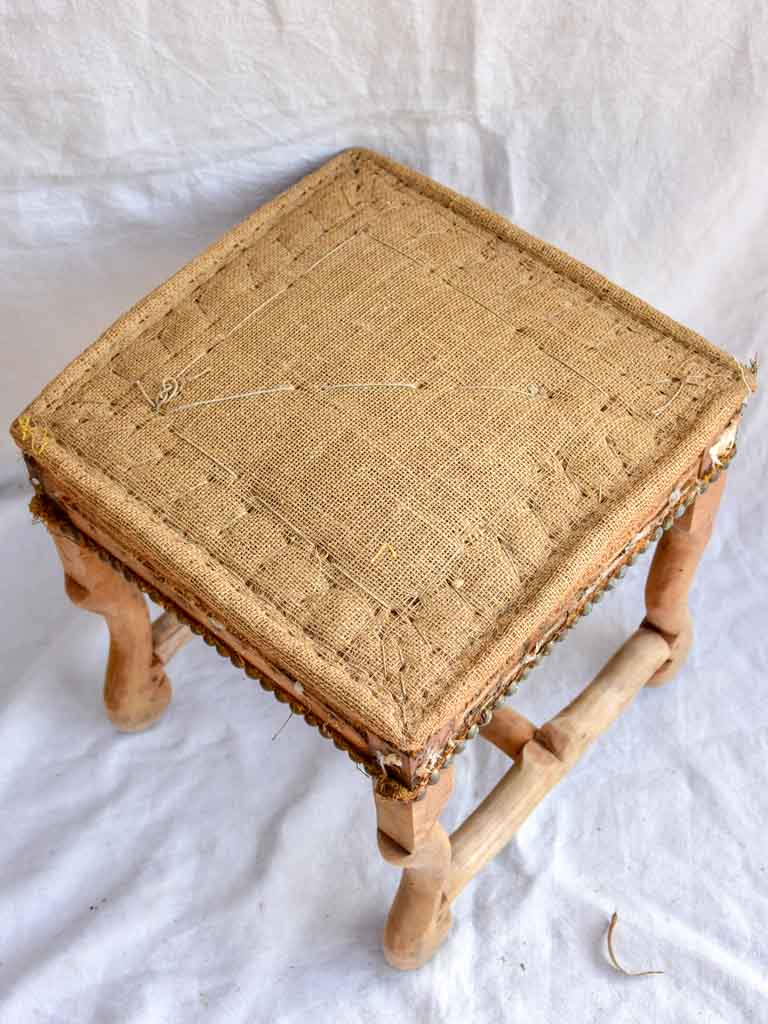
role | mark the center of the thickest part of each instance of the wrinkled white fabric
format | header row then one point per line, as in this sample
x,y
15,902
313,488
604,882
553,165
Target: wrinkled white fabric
x,y
206,871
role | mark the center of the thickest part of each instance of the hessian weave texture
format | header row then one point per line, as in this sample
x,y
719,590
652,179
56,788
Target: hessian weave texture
x,y
384,435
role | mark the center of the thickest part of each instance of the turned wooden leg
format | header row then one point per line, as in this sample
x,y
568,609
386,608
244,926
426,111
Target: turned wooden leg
x,y
136,690
671,575
410,837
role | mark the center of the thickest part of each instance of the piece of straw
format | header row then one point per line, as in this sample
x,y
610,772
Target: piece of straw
x,y
282,727
614,962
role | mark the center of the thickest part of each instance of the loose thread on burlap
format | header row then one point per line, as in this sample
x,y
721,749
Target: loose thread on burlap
x,y
507,557
283,290
412,623
385,662
207,454
401,668
383,604
322,564
385,549
174,387
753,366
300,533
456,583
494,313
384,668
351,387
531,390
689,381
236,396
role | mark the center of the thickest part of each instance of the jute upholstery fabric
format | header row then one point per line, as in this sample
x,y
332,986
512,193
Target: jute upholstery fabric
x,y
457,426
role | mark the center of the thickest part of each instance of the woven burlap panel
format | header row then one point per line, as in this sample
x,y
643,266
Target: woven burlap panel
x,y
457,424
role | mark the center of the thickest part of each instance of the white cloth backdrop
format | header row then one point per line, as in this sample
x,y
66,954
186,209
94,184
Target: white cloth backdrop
x,y
205,871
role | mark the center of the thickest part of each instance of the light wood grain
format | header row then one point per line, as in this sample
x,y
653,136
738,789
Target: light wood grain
x,y
509,731
546,758
671,574
169,636
410,837
136,690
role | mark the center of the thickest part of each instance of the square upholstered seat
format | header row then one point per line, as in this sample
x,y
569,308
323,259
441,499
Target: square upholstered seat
x,y
383,447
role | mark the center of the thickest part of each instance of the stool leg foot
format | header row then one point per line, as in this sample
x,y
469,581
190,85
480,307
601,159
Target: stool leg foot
x,y
136,689
671,575
420,916
410,837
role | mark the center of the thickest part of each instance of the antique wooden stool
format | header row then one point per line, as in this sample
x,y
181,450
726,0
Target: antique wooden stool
x,y
382,449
